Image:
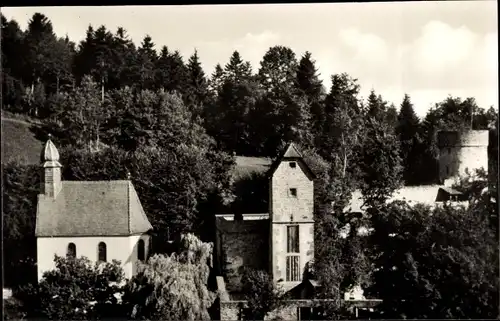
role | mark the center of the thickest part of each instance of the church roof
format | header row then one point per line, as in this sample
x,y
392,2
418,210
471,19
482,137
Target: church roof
x,y
92,208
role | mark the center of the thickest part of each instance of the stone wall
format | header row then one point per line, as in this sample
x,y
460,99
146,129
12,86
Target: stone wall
x,y
241,244
234,310
284,206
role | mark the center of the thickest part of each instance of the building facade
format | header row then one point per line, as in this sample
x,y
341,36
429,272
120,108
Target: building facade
x,y
99,220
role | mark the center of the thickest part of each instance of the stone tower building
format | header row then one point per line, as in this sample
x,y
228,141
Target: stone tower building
x,y
461,151
291,208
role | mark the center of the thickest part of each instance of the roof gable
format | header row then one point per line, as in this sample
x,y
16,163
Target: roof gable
x,y
92,208
291,152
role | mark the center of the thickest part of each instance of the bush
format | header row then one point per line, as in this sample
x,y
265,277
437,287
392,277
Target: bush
x,y
75,290
262,295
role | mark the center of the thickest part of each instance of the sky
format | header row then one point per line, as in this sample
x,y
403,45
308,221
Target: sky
x,y
429,50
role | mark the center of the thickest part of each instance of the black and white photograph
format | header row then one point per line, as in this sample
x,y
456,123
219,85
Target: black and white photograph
x,y
291,161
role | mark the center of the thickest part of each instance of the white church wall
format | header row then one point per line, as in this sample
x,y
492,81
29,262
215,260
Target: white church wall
x,y
121,248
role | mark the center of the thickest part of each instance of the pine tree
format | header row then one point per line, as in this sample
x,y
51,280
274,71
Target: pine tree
x,y
124,55
376,107
146,59
408,131
237,70
311,87
171,73
217,80
196,94
308,82
85,57
39,44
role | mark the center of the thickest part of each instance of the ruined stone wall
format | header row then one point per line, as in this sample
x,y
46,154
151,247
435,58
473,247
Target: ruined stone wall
x,y
234,310
242,244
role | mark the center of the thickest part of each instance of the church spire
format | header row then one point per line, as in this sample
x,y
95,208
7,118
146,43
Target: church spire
x,y
51,183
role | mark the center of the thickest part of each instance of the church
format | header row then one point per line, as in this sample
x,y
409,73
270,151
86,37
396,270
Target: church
x,y
99,220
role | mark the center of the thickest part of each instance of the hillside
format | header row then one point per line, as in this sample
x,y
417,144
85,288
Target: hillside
x,y
18,140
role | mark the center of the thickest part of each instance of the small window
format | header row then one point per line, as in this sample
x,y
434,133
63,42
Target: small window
x,y
447,170
71,252
293,164
141,250
102,252
449,151
293,192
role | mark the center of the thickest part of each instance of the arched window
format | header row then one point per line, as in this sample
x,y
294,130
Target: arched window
x,y
102,252
141,250
71,253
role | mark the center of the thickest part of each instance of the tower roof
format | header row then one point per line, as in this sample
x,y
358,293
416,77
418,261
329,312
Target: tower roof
x,y
50,155
291,152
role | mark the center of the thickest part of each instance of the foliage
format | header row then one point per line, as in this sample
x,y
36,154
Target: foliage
x,y
171,183
172,287
341,130
261,293
75,290
408,131
20,185
381,163
434,263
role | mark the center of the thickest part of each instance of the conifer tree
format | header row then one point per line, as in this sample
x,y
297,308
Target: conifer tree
x,y
196,95
146,59
217,80
408,131
237,70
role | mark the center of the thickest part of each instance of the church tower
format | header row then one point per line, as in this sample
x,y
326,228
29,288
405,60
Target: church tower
x,y
51,178
291,208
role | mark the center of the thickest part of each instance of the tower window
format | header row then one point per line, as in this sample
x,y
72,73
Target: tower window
x,y
293,192
292,268
71,251
447,170
449,151
292,237
293,164
141,250
102,252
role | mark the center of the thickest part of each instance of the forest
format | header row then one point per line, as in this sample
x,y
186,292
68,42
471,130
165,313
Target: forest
x,y
113,108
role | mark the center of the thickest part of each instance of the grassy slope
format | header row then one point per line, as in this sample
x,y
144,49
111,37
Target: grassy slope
x,y
18,141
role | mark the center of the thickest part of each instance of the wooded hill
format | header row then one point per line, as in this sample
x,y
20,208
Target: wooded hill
x,y
114,108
